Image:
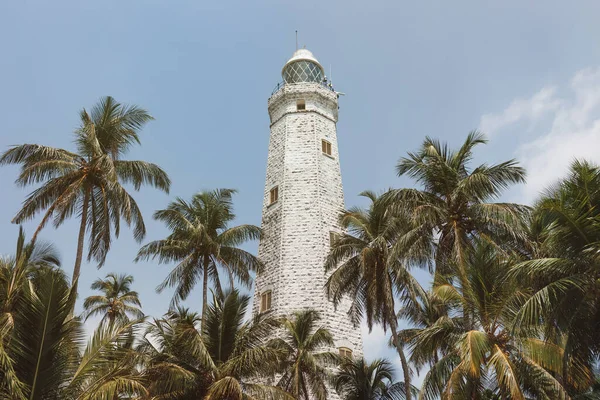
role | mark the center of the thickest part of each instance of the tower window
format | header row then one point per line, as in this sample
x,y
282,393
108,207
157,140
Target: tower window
x,y
300,105
265,301
332,238
274,195
345,352
326,147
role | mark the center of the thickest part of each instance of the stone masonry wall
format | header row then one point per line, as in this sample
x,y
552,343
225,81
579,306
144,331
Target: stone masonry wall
x,y
297,227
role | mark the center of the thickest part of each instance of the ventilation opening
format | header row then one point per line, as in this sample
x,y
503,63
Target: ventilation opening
x,y
274,195
326,147
300,105
265,301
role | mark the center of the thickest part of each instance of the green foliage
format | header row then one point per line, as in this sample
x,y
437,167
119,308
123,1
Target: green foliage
x,y
89,182
565,273
454,203
513,312
224,360
358,380
117,303
370,265
201,241
303,368
43,347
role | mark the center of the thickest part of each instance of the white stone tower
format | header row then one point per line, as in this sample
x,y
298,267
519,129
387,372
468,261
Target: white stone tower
x,y
303,199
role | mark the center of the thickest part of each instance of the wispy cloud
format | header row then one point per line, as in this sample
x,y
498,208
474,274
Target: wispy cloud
x,y
574,129
529,109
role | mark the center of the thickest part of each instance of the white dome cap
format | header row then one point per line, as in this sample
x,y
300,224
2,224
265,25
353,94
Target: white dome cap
x,y
303,67
303,54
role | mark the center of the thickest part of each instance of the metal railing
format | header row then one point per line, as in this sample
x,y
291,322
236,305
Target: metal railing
x,y
325,84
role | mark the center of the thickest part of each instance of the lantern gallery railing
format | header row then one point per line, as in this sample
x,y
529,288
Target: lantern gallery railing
x,y
325,84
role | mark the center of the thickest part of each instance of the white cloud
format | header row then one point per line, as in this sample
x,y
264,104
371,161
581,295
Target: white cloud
x,y
574,130
520,109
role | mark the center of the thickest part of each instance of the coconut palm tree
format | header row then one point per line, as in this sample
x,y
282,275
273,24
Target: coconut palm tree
x,y
481,354
174,371
201,241
359,380
89,182
304,366
421,313
41,352
15,274
565,273
117,303
454,203
223,361
370,263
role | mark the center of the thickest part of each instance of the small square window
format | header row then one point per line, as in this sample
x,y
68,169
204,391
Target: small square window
x,y
300,105
326,147
345,352
274,195
265,301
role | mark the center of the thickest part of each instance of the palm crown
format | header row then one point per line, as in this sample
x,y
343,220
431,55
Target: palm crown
x,y
305,344
117,303
482,351
201,241
89,182
359,380
566,267
222,360
454,204
42,345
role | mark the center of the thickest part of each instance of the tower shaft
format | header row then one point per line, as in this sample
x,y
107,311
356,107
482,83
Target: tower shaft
x,y
303,200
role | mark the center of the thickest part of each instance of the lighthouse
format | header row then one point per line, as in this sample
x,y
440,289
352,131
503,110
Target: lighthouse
x,y
303,199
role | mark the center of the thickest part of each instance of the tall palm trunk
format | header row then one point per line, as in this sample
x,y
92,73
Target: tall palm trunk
x,y
403,361
80,242
205,289
462,271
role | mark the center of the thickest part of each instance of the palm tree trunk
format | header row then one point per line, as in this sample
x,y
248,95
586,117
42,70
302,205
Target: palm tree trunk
x,y
403,361
205,289
80,242
462,272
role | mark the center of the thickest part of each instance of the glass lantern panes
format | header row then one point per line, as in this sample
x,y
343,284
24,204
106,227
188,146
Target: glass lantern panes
x,y
302,71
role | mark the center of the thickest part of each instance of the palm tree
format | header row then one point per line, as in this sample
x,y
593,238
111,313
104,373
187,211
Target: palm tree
x,y
454,204
422,312
564,272
41,353
359,380
223,361
176,369
201,241
481,354
117,301
303,341
89,182
370,265
15,274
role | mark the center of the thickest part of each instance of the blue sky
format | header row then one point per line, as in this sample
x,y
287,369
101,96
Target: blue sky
x,y
525,72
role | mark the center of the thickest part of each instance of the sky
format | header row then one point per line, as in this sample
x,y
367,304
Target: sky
x,y
525,73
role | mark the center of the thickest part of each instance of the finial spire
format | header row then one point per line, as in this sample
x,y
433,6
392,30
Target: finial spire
x,y
296,40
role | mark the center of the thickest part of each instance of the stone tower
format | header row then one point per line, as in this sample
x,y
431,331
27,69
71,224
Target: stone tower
x,y
303,199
